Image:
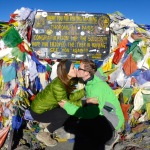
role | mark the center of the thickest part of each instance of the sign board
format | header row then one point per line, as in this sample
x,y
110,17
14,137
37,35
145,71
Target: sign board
x,y
70,35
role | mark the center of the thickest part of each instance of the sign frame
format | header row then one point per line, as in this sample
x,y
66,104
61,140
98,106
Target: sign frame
x,y
71,35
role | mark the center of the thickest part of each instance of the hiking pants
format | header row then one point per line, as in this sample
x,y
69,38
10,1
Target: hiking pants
x,y
56,117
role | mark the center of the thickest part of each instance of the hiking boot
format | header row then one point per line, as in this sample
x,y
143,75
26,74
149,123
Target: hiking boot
x,y
109,144
46,139
118,146
62,134
43,125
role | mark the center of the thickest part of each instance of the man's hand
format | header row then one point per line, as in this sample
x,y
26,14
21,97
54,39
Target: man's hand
x,y
92,100
62,103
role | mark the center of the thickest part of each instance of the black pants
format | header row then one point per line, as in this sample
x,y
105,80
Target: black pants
x,y
91,134
56,117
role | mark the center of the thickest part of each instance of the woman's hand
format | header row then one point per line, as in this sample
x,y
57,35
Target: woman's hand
x,y
80,86
92,100
62,103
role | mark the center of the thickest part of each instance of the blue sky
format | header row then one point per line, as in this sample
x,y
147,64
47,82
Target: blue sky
x,y
138,10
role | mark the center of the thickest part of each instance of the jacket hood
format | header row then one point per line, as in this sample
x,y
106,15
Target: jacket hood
x,y
100,74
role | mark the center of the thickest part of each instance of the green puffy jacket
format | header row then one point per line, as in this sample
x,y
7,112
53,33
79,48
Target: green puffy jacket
x,y
52,94
109,105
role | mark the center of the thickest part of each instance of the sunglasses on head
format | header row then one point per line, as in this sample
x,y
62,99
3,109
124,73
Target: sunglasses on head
x,y
81,69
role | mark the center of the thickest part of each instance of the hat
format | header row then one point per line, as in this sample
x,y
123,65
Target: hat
x,y
68,64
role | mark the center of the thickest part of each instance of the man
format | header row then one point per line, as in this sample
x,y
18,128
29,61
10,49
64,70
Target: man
x,y
108,109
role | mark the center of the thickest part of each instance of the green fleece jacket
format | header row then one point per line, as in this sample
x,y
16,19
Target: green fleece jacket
x,y
107,99
52,94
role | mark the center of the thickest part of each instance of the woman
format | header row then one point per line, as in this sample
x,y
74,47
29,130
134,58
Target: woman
x,y
45,108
